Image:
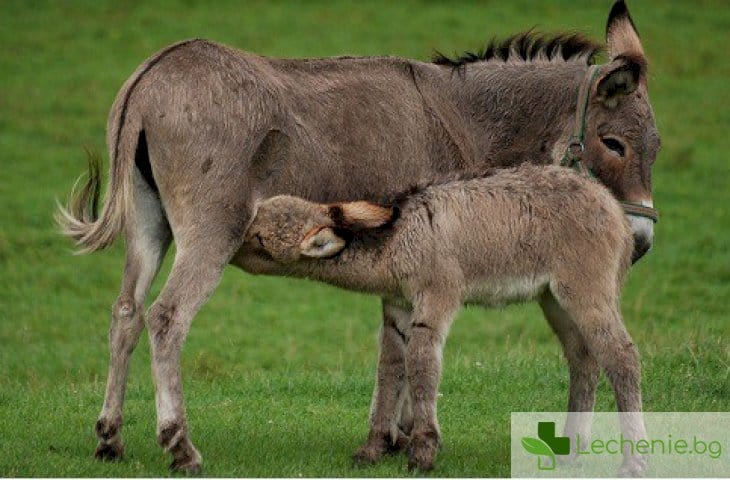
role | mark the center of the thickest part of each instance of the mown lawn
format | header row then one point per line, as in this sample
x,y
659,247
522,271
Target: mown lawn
x,y
279,372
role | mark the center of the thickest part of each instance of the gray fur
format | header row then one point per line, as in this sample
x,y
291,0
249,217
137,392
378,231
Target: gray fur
x,y
226,129
534,233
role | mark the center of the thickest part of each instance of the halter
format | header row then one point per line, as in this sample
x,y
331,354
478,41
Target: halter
x,y
576,147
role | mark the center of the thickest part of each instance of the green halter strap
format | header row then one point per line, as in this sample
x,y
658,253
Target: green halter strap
x,y
576,145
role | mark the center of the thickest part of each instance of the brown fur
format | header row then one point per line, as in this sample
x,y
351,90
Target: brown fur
x,y
361,214
534,233
200,133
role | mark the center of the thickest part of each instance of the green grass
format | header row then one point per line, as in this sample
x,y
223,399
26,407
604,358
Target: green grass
x,y
278,373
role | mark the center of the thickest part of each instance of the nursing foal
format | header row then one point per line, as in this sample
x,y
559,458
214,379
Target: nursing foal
x,y
531,233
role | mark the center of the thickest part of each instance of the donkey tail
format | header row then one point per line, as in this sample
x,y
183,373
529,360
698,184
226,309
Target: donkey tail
x,y
79,218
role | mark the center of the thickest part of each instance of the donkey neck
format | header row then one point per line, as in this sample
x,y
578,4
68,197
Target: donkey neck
x,y
518,111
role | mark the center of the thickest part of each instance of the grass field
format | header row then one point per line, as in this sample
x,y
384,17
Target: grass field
x,y
278,373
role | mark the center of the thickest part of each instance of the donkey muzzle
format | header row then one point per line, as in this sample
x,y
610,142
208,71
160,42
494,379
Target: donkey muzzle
x,y
641,246
643,230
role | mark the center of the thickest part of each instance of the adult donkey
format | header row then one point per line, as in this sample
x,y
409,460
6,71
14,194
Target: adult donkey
x,y
201,132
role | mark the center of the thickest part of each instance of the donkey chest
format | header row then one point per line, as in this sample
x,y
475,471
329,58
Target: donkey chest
x,y
505,291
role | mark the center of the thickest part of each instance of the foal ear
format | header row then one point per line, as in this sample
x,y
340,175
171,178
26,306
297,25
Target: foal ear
x,y
361,215
321,242
622,37
621,77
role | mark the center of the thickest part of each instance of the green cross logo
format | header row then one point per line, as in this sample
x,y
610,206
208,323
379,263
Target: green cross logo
x,y
546,445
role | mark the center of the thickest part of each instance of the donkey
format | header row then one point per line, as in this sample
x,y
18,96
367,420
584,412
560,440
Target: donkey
x,y
200,133
519,235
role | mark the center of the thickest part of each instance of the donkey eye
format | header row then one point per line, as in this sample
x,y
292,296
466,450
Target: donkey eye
x,y
614,145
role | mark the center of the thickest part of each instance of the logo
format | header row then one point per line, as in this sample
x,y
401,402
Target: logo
x,y
610,444
546,445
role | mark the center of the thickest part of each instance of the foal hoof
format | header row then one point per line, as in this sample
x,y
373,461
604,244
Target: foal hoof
x,y
378,446
109,452
633,466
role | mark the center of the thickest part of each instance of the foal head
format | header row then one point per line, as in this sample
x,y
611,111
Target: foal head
x,y
288,228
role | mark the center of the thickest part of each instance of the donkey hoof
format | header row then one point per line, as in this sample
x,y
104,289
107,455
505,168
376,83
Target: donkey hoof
x,y
422,451
187,460
421,459
109,452
421,466
189,467
368,454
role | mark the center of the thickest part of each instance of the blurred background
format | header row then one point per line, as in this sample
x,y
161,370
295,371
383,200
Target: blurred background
x,y
278,372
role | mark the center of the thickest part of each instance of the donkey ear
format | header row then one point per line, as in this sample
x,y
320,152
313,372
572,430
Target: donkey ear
x,y
621,77
321,242
621,34
361,215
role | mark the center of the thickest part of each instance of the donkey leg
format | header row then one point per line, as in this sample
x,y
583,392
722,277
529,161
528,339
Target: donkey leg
x,y
602,327
385,435
432,317
148,237
584,371
195,274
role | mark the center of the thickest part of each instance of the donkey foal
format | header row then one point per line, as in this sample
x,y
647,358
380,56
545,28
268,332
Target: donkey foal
x,y
531,233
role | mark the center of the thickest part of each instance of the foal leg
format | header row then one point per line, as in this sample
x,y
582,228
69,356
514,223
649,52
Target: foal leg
x,y
599,322
148,237
390,389
583,369
195,274
432,317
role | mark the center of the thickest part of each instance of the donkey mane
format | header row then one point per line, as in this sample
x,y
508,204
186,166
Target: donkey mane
x,y
527,47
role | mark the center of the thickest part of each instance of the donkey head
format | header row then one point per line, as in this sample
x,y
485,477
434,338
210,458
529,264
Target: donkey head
x,y
621,140
288,228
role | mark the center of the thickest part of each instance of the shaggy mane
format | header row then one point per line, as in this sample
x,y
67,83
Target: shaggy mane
x,y
526,47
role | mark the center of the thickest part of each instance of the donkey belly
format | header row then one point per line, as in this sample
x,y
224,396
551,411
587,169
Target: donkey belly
x,y
235,128
500,292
